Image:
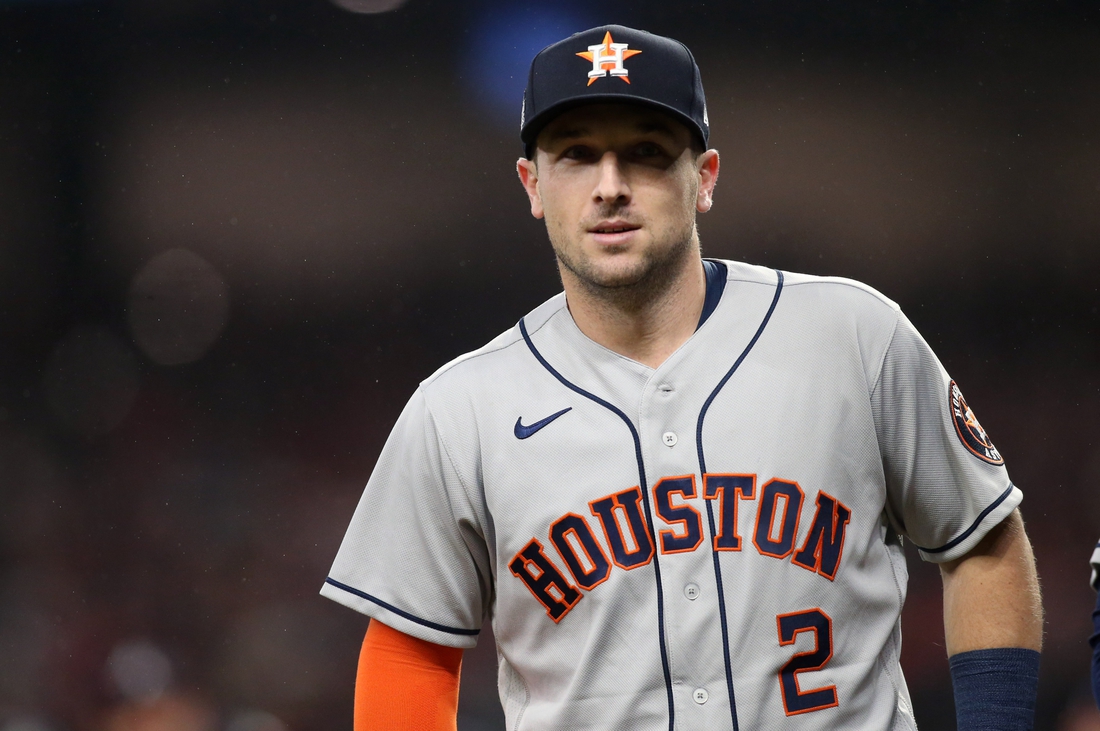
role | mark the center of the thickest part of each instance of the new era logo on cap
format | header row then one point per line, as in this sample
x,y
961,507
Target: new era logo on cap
x,y
661,73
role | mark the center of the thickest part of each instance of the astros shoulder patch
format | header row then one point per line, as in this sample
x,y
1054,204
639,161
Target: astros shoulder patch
x,y
971,433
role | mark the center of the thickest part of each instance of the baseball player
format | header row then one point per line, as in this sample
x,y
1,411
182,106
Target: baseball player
x,y
1095,639
679,489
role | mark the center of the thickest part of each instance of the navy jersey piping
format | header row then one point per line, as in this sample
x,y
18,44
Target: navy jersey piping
x,y
710,506
643,485
402,613
973,526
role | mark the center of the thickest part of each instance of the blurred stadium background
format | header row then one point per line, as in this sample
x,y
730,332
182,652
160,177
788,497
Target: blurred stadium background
x,y
235,235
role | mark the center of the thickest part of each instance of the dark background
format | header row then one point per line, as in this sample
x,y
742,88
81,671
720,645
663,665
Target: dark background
x,y
234,236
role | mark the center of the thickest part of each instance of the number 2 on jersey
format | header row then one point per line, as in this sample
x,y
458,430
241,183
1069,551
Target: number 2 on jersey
x,y
797,701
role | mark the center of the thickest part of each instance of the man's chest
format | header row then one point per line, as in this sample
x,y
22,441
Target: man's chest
x,y
599,473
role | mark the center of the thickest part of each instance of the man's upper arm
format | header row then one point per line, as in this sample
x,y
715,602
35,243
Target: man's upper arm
x,y
414,556
947,485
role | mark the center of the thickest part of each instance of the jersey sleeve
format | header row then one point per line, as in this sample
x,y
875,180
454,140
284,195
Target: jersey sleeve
x,y
946,484
414,555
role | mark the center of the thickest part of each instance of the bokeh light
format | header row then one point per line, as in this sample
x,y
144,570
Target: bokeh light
x,y
255,720
178,306
502,43
140,670
369,6
167,713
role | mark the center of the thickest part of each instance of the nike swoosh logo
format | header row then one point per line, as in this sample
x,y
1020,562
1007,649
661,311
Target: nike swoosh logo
x,y
522,432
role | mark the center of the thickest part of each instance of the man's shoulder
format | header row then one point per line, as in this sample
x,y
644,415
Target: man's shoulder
x,y
501,355
842,289
832,293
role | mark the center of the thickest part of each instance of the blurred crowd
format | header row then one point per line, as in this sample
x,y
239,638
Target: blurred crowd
x,y
234,237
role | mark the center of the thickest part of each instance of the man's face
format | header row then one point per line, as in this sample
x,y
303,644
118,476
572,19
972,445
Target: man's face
x,y
619,186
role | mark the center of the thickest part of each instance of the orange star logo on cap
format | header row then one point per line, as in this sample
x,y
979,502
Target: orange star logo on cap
x,y
607,58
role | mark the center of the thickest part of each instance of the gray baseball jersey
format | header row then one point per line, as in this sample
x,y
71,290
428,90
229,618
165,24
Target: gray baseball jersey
x,y
711,544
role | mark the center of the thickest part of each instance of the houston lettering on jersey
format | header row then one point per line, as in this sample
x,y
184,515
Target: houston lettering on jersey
x,y
624,537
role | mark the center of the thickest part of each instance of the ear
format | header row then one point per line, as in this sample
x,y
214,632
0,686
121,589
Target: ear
x,y
529,177
708,177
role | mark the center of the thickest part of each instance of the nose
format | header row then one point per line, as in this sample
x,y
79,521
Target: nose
x,y
611,186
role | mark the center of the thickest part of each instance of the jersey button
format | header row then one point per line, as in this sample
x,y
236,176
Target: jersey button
x,y
665,388
669,439
691,591
700,696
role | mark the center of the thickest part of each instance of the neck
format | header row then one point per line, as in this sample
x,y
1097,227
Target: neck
x,y
646,322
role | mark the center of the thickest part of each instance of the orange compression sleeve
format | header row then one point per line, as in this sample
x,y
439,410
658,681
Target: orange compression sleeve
x,y
405,684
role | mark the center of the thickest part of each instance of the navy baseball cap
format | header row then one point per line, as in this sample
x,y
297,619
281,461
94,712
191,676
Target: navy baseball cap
x,y
613,63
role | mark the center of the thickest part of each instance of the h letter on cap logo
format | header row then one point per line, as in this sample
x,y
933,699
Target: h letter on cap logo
x,y
607,56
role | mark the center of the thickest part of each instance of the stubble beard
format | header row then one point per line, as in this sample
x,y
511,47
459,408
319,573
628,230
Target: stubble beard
x,y
639,286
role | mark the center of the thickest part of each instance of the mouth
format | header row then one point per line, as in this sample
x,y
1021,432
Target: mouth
x,y
613,228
